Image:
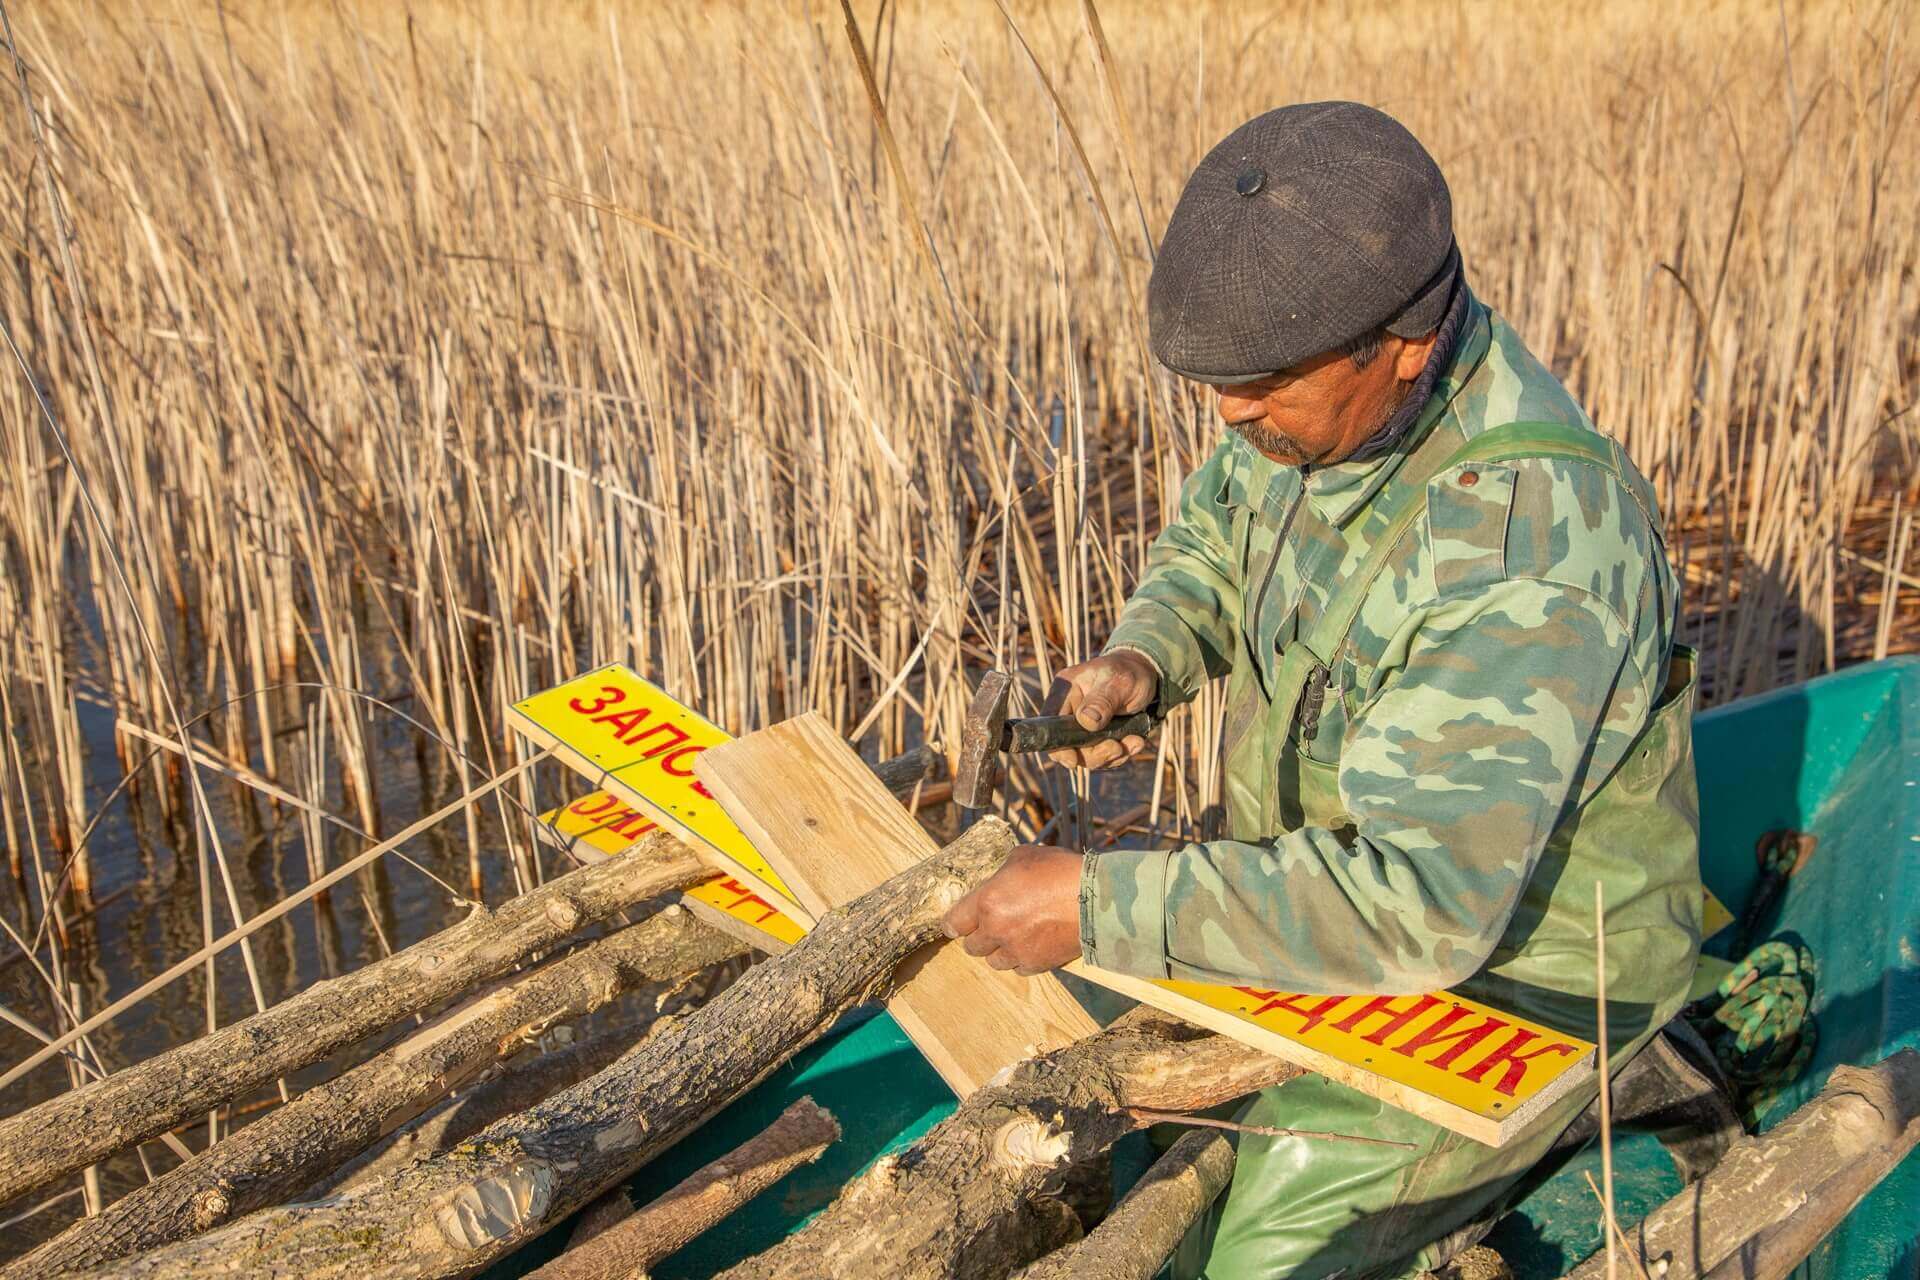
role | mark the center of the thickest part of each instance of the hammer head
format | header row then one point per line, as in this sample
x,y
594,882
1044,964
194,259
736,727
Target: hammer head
x,y
980,738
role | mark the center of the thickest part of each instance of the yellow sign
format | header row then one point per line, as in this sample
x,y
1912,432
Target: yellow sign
x,y
595,824
729,897
1473,1068
1469,1067
599,825
1714,915
629,738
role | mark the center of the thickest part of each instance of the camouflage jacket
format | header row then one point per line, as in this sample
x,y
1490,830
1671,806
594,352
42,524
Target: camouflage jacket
x,y
1499,669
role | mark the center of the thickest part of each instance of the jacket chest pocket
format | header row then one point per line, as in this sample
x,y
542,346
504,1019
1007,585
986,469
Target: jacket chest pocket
x,y
1241,534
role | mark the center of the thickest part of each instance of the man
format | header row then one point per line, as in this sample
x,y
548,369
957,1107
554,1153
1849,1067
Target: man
x,y
1442,604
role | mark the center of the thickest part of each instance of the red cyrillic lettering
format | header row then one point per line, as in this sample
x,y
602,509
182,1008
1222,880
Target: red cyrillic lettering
x,y
1515,1063
623,722
1467,1037
687,772
1382,1006
632,823
747,896
599,800
679,736
1289,1001
609,694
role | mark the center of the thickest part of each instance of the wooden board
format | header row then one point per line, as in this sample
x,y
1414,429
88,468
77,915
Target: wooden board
x,y
797,790
1477,1070
599,825
833,832
1282,1022
629,739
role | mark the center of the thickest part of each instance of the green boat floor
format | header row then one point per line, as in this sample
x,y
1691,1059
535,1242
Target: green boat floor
x,y
870,1077
1838,757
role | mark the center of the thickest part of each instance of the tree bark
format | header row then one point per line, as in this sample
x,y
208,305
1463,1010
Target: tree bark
x,y
1773,1197
615,1241
1475,1262
282,1151
522,1084
87,1124
454,1214
905,771
956,1203
1147,1225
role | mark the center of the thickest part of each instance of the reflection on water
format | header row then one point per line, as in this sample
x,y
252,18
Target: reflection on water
x,y
147,882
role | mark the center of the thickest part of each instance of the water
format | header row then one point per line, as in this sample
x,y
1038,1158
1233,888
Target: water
x,y
148,888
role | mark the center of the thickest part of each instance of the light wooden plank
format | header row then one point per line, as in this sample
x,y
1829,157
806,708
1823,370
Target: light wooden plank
x,y
814,810
832,832
1450,1060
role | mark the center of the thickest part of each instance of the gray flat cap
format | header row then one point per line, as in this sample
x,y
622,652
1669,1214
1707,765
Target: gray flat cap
x,y
1304,228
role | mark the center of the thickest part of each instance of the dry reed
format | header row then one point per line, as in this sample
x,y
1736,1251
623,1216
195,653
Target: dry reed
x,y
438,351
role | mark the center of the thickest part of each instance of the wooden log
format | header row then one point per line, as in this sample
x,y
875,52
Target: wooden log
x,y
1136,1239
457,1119
454,1214
281,1152
533,1079
615,1241
907,770
955,1204
1773,1197
80,1127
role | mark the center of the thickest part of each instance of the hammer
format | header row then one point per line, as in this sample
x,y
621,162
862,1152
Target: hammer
x,y
988,732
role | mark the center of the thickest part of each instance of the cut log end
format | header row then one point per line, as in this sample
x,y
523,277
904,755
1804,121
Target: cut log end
x,y
211,1207
494,1207
1027,1142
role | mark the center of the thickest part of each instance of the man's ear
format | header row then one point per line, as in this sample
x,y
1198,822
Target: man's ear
x,y
1412,358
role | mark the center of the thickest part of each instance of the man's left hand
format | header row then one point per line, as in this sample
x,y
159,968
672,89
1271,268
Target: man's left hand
x,y
1026,917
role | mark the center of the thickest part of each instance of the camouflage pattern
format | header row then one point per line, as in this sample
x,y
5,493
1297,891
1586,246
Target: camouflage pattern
x,y
1304,1209
1497,730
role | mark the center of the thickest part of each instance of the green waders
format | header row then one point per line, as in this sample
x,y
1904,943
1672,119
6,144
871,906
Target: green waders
x,y
1305,1208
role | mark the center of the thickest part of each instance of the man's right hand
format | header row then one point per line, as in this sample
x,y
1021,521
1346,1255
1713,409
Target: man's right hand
x,y
1094,692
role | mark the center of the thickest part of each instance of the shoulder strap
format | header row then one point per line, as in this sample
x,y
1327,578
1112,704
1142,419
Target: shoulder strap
x,y
1517,440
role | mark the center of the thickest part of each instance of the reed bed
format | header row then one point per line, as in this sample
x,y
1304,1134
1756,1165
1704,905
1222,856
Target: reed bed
x,y
405,360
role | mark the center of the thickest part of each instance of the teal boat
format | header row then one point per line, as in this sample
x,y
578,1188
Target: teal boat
x,y
1837,758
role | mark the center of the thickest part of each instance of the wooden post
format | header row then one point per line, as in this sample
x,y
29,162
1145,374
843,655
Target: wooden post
x,y
1773,1197
284,1150
615,1241
521,1085
1137,1238
460,1211
959,1203
77,1128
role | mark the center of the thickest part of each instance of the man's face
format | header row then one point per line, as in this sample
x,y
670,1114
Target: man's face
x,y
1322,409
